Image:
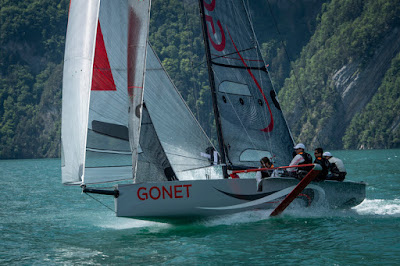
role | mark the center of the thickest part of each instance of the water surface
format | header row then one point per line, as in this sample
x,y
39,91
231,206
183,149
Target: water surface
x,y
43,222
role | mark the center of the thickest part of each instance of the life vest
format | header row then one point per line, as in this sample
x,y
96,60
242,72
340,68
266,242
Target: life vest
x,y
307,160
267,173
334,169
325,167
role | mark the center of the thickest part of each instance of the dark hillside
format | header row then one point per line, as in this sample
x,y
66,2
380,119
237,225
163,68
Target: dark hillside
x,y
340,70
32,47
345,67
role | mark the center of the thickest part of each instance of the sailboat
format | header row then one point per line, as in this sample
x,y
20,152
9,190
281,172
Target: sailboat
x,y
124,121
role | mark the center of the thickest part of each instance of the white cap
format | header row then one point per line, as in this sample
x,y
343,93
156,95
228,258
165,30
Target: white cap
x,y
327,153
300,146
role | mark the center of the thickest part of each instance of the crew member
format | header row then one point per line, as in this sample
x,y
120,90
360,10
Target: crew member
x,y
338,171
265,163
319,159
301,157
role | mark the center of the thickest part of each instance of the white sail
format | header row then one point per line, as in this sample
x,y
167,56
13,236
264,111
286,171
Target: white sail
x,y
115,38
78,64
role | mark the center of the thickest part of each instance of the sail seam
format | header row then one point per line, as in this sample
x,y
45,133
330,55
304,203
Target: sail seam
x,y
111,166
243,50
188,157
263,68
108,151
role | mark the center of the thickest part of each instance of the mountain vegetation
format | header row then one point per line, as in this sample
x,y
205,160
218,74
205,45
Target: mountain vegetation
x,y
378,124
351,36
31,53
308,62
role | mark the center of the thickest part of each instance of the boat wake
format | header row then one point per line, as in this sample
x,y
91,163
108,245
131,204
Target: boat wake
x,y
379,207
118,223
375,208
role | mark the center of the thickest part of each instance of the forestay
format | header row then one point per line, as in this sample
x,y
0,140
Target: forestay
x,y
252,122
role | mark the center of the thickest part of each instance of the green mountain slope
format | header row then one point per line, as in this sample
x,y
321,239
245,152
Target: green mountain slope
x,y
340,70
344,50
377,126
32,47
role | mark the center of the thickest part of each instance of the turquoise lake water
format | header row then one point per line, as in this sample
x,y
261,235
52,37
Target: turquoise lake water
x,y
43,222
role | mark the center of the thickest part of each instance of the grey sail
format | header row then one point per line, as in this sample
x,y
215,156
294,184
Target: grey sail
x,y
180,134
153,164
252,122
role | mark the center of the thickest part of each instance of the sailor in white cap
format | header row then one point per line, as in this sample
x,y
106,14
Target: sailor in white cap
x,y
338,171
301,157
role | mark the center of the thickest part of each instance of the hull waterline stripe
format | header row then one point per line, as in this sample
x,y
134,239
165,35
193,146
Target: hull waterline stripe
x,y
247,197
267,199
253,203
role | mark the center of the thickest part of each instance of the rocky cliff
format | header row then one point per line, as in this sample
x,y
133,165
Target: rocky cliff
x,y
339,85
340,71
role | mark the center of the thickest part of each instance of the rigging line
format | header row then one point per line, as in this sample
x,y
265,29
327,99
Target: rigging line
x,y
263,68
199,168
233,53
108,166
107,151
191,62
294,71
111,181
245,59
100,202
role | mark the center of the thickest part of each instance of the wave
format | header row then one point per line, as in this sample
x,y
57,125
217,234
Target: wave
x,y
381,207
378,208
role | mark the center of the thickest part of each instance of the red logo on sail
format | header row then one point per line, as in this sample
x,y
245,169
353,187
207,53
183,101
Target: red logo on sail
x,y
102,79
221,46
271,123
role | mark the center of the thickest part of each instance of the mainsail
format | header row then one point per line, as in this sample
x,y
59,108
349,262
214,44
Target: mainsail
x,y
102,89
252,123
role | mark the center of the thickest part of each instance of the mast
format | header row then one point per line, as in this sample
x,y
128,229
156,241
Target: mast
x,y
213,92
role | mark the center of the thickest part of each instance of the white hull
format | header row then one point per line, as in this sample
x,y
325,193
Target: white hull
x,y
200,198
